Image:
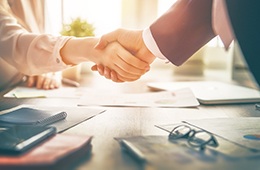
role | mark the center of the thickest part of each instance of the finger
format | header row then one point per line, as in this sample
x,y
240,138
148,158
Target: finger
x,y
53,84
111,74
57,81
56,84
107,73
131,64
127,62
126,70
31,81
125,74
40,81
47,84
118,81
123,79
94,68
133,60
115,78
100,69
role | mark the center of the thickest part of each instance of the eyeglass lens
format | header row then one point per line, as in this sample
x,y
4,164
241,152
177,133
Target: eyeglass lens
x,y
195,138
199,138
178,132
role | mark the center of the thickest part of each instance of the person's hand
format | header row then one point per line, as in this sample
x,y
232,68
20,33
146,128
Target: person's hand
x,y
106,72
115,57
127,66
44,81
130,39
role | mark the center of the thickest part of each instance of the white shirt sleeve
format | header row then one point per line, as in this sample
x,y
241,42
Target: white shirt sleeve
x,y
151,44
221,22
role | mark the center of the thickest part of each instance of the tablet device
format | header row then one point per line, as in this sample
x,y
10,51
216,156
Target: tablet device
x,y
212,92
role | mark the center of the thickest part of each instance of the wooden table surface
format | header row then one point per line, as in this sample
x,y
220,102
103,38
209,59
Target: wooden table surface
x,y
130,121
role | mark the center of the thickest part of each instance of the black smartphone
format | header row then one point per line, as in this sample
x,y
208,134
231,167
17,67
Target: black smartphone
x,y
17,139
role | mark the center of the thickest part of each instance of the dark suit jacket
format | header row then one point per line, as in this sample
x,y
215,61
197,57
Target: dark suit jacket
x,y
187,26
245,19
183,29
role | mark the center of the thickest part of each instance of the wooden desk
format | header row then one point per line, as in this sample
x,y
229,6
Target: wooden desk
x,y
122,121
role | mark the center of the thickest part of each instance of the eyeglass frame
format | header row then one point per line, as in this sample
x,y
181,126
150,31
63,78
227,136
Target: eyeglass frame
x,y
190,135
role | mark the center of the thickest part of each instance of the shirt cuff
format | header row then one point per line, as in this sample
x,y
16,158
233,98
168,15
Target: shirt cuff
x,y
151,44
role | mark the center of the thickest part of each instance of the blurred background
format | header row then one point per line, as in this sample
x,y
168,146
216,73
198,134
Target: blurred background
x,y
107,15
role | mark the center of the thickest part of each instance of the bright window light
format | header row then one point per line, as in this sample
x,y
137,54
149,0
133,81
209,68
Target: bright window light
x,y
104,15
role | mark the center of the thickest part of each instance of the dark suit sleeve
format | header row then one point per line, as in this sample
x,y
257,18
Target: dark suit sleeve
x,y
183,29
245,20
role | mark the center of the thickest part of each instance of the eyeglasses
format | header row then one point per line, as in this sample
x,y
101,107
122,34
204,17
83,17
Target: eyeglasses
x,y
198,139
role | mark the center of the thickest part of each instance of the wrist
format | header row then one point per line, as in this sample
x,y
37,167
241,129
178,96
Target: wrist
x,y
150,44
78,50
144,53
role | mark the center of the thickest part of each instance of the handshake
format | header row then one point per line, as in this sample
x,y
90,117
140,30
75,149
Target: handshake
x,y
132,58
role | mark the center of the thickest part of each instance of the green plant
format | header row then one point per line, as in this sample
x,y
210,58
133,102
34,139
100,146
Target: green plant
x,y
78,28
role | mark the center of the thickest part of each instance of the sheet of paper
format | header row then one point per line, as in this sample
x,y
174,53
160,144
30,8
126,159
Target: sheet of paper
x,y
178,98
26,92
242,130
237,137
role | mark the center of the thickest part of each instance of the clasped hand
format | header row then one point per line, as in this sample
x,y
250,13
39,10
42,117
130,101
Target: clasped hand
x,y
133,63
45,81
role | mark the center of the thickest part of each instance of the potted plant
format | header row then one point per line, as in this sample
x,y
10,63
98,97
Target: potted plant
x,y
77,28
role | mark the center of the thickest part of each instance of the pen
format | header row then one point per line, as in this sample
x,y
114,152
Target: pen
x,y
257,106
70,82
133,150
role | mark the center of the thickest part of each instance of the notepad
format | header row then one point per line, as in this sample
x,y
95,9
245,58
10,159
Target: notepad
x,y
30,116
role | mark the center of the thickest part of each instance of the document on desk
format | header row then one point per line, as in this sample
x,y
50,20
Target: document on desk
x,y
244,131
237,137
179,98
157,152
28,92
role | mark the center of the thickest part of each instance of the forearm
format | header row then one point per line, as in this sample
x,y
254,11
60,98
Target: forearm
x,y
186,27
30,54
78,50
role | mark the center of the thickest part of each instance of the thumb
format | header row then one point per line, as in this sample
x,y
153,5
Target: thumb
x,y
101,44
107,38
